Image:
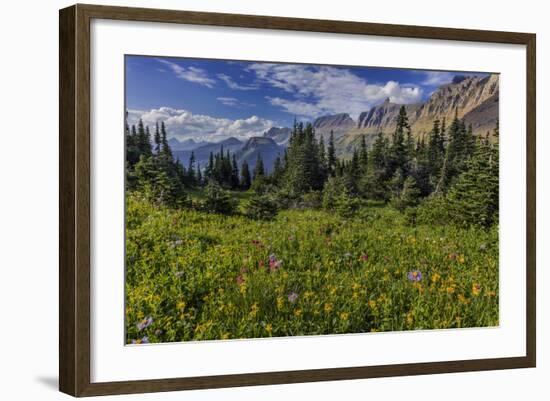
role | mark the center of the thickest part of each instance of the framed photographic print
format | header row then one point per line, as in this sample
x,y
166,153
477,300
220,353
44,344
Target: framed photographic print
x,y
250,200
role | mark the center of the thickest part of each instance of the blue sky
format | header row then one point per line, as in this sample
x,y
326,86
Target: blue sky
x,y
214,99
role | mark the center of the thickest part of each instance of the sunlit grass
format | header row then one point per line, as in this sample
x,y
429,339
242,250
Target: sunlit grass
x,y
196,276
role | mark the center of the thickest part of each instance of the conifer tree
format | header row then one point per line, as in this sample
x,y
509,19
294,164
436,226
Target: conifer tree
x,y
234,173
157,138
331,154
261,207
143,141
209,170
408,196
245,176
259,170
217,199
191,178
199,175
435,156
373,185
132,148
322,161
278,171
363,156
398,156
473,199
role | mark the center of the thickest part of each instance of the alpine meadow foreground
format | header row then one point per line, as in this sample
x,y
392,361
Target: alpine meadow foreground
x,y
193,275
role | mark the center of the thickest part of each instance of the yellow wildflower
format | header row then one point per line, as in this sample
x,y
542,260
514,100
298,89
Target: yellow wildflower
x,y
476,289
269,328
254,309
461,259
298,312
328,307
410,318
462,299
372,303
280,302
450,289
344,315
435,277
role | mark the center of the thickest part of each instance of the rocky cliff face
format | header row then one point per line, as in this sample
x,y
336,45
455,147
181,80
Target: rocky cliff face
x,y
340,124
264,147
279,135
385,115
473,98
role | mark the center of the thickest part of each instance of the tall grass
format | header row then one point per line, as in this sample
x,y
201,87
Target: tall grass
x,y
191,275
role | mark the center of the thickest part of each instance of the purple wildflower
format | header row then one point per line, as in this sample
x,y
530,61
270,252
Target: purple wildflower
x,y
148,321
415,275
274,263
292,297
364,257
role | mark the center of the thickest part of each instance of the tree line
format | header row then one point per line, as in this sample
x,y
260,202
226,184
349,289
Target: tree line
x,y
448,169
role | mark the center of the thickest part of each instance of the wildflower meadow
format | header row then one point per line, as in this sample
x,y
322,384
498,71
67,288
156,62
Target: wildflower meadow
x,y
193,275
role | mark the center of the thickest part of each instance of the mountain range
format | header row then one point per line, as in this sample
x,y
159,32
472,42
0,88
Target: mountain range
x,y
472,98
256,146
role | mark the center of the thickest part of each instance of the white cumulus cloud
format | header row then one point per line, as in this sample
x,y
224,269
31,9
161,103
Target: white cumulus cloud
x,y
318,90
183,124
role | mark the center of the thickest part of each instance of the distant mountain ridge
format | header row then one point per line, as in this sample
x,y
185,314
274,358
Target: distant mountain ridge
x,y
256,146
202,153
473,98
281,135
264,147
339,124
464,95
186,144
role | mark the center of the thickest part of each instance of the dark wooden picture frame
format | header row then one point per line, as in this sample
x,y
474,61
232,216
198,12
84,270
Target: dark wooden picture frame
x,y
74,199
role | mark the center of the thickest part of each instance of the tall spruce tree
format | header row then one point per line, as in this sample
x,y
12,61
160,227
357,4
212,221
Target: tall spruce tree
x,y
398,157
473,199
331,154
191,177
157,138
259,170
246,180
234,172
363,156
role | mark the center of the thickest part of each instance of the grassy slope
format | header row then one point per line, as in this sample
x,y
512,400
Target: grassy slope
x,y
203,276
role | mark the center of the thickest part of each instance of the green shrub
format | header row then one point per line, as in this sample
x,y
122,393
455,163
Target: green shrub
x,y
311,200
261,207
334,188
217,200
433,210
408,197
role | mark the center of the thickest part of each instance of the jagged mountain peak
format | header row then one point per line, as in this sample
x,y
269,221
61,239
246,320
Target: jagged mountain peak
x,y
334,120
256,141
281,135
463,95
